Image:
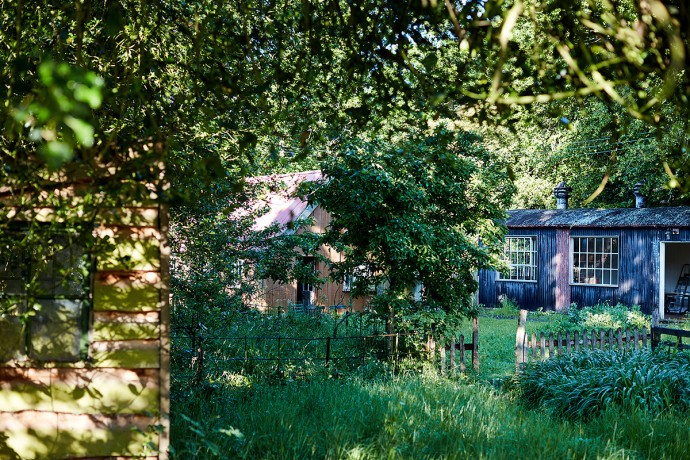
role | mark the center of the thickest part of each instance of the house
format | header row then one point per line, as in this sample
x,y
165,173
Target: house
x,y
284,208
86,375
636,256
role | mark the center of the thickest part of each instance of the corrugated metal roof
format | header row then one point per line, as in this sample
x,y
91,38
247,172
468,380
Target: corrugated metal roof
x,y
283,206
603,218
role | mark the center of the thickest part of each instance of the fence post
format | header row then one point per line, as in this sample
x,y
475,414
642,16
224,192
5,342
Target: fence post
x,y
442,354
542,341
656,338
199,374
364,349
279,356
559,344
453,365
520,340
397,347
462,354
328,350
475,343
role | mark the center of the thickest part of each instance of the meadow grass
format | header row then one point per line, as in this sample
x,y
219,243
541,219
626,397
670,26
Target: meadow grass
x,y
373,412
410,417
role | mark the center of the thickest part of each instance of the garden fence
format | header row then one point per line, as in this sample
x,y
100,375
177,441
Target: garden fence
x,y
543,346
196,357
247,354
451,351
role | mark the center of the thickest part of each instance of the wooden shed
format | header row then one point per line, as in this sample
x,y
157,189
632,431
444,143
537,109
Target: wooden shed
x,y
84,354
635,256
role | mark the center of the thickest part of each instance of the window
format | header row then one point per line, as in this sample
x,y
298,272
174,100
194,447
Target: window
x,y
417,291
45,287
348,280
305,288
594,260
521,254
360,272
237,273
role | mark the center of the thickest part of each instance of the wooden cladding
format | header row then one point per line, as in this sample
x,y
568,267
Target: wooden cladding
x,y
113,402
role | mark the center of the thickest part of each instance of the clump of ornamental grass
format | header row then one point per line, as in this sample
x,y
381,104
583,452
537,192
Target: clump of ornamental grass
x,y
585,384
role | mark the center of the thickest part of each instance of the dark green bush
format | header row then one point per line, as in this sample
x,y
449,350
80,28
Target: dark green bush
x,y
587,383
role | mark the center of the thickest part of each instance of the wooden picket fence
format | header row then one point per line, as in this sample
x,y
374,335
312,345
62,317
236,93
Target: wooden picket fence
x,y
531,348
451,352
661,335
545,346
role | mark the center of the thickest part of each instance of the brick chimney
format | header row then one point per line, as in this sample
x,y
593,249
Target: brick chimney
x,y
640,199
561,193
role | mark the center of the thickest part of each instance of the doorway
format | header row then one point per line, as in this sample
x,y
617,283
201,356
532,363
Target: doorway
x,y
673,256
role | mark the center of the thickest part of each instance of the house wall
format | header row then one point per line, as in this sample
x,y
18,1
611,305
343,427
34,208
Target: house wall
x,y
527,294
115,403
277,294
638,271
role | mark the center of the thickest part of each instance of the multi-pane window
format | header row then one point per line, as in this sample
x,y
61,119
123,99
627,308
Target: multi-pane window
x,y
521,254
46,290
348,281
594,260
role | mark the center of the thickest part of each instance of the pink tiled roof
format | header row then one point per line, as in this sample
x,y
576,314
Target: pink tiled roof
x,y
283,206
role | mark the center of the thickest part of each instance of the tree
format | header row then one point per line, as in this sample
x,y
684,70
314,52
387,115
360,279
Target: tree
x,y
219,258
414,213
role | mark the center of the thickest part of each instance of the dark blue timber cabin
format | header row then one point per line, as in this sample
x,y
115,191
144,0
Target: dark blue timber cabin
x,y
636,256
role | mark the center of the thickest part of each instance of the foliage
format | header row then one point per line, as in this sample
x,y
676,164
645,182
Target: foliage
x,y
227,93
586,384
219,258
412,416
411,214
602,316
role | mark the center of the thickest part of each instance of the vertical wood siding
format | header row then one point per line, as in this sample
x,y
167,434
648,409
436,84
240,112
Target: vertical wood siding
x,y
562,271
328,294
639,270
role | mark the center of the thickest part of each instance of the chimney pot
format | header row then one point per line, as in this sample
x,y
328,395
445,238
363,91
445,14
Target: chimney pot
x,y
640,199
561,192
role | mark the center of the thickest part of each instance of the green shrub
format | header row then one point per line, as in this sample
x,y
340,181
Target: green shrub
x,y
601,316
587,383
506,308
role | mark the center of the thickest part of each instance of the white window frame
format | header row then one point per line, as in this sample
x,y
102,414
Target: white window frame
x,y
525,265
599,265
237,273
348,280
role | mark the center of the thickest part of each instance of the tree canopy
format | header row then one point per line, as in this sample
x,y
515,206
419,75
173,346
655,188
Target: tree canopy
x,y
414,213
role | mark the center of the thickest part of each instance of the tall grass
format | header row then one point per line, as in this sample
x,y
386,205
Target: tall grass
x,y
409,417
586,384
374,412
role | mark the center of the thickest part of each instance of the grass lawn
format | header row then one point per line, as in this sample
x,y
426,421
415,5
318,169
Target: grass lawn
x,y
372,414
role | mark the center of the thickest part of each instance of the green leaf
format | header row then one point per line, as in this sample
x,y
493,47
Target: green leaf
x,y
56,153
90,95
83,131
